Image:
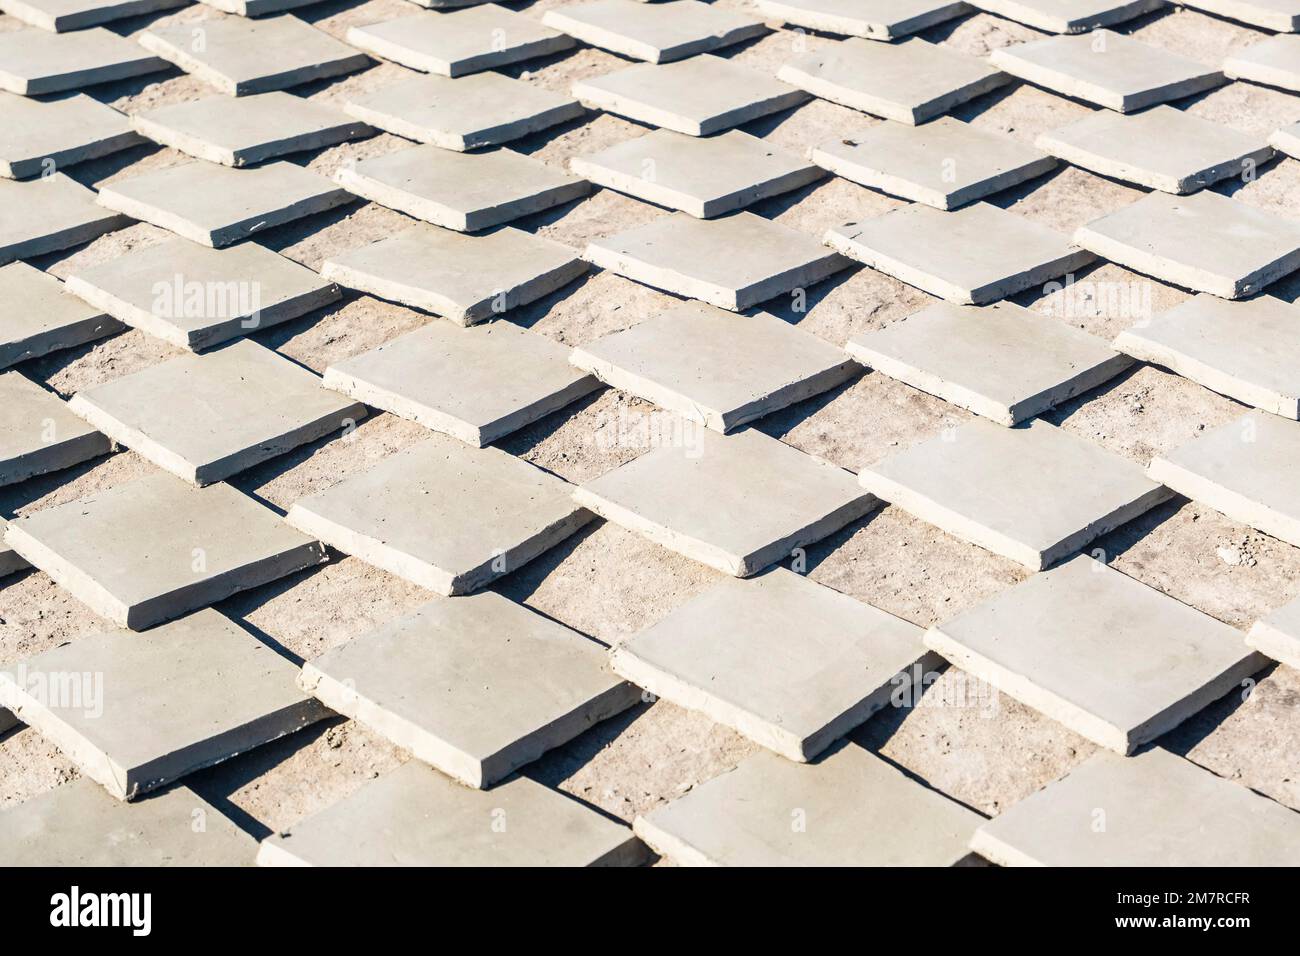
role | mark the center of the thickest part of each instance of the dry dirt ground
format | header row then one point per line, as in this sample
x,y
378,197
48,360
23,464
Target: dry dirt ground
x,y
962,737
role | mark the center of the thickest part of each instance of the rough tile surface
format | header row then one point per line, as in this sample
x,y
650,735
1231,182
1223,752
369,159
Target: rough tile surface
x,y
972,256
78,824
484,109
849,809
476,686
1114,660
240,56
703,176
195,297
1034,494
465,278
1248,350
909,82
1069,16
787,662
1205,242
1157,809
461,191
207,417
38,433
688,495
874,19
657,33
443,515
1249,469
1107,69
415,816
673,253
187,548
1000,361
463,41
147,709
944,164
698,96
1273,62
476,384
38,316
35,61
38,137
48,214
1160,148
217,205
715,367
248,129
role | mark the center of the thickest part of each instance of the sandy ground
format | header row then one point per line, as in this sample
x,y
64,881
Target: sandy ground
x,y
963,738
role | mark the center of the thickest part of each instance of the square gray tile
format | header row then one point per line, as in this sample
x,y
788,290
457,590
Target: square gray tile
x,y
163,704
207,417
698,96
1278,635
1160,148
444,515
786,662
680,254
157,548
38,316
60,16
873,19
714,367
38,137
237,131
239,56
415,816
1272,62
1068,16
476,686
467,279
195,297
1249,469
50,213
1196,242
35,61
216,205
461,41
1000,361
657,33
1035,494
1248,350
38,433
1155,810
944,164
483,109
1280,15
703,176
461,191
1107,69
975,255
738,503
908,82
1112,659
78,824
849,809
476,384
